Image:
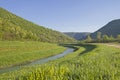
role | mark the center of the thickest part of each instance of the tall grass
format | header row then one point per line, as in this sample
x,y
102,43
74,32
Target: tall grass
x,y
89,62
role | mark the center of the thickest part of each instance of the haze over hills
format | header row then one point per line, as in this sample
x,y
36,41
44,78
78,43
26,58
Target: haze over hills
x,y
110,29
77,35
13,27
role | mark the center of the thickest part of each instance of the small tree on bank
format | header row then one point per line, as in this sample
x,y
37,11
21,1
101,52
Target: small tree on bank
x,y
89,39
105,38
111,39
99,36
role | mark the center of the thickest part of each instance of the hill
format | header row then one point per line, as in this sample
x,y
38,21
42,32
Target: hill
x,y
13,27
112,28
77,35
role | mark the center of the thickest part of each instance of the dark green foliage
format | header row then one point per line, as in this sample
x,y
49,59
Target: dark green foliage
x,y
13,27
102,38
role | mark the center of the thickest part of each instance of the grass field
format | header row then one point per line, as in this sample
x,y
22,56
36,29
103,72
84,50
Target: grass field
x,y
89,62
17,53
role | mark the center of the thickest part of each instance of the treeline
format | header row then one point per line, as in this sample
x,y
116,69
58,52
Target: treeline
x,y
13,27
9,31
102,38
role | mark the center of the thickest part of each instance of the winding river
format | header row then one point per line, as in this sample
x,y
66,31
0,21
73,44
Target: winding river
x,y
41,61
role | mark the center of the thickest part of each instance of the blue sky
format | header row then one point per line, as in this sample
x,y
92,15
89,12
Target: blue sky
x,y
66,15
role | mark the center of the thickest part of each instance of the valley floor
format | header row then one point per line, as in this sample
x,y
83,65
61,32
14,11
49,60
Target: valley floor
x,y
14,53
88,62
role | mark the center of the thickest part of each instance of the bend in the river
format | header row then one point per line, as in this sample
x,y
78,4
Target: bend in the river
x,y
41,61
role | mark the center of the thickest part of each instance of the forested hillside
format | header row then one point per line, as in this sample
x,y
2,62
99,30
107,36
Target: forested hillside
x,y
110,29
13,27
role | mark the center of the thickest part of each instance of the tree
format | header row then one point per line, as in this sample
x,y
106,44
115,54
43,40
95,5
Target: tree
x,y
99,36
105,38
89,39
22,34
118,38
0,35
111,39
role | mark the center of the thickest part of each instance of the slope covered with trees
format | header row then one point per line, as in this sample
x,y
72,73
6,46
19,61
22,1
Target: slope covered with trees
x,y
110,29
13,27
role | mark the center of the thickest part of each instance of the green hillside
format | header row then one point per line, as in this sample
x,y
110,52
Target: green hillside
x,y
110,29
88,62
13,27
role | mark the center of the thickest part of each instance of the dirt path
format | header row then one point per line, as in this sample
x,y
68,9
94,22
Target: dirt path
x,y
113,44
117,45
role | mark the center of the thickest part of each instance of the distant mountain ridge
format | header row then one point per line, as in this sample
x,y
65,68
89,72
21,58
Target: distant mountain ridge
x,y
110,29
13,27
77,35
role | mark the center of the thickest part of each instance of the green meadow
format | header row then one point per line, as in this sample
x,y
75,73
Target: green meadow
x,y
17,53
88,62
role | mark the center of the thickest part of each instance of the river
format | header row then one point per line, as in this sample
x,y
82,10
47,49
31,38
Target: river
x,y
41,61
